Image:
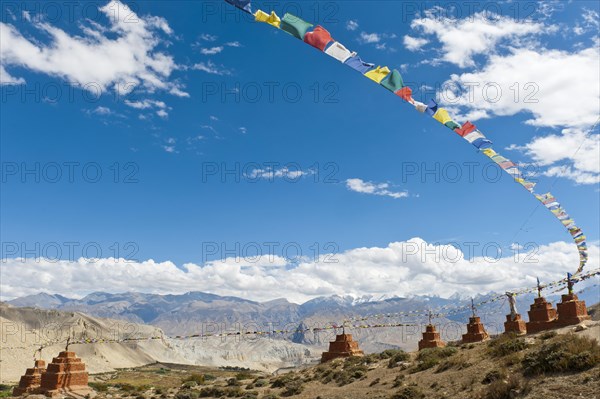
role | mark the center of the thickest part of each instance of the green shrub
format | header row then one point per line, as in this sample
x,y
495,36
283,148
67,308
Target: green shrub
x,y
282,380
97,386
458,362
197,378
125,387
292,388
398,356
492,376
505,389
244,376
561,354
506,344
409,393
261,383
375,382
430,357
547,335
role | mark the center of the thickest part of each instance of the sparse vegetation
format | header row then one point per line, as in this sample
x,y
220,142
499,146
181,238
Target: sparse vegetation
x,y
410,392
492,376
98,386
510,388
496,370
458,362
396,357
5,391
563,353
428,358
197,378
506,344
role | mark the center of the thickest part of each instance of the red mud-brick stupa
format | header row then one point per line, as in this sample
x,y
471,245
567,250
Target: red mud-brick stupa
x,y
475,330
31,381
343,346
514,324
66,374
542,315
431,338
571,310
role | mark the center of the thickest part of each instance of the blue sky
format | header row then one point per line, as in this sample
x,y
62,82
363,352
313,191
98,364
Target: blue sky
x,y
166,137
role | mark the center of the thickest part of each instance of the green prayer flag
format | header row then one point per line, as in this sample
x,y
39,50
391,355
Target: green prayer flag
x,y
393,81
295,26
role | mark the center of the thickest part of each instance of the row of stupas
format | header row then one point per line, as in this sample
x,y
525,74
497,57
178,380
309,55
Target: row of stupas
x,y
66,374
542,316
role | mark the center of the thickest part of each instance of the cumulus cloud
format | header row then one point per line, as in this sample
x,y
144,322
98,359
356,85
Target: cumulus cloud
x,y
122,55
580,152
211,68
414,43
212,50
367,187
369,37
8,79
412,267
559,88
352,25
462,39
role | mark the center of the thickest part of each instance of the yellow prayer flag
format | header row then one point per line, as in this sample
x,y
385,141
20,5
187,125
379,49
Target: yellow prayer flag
x,y
442,116
272,19
377,74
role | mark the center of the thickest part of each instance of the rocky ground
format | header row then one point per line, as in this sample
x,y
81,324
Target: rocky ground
x,y
560,364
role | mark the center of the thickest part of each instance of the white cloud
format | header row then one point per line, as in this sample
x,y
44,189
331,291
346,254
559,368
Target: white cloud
x,y
352,25
366,187
412,267
286,173
211,50
233,44
478,34
210,67
102,111
558,88
579,150
414,43
243,130
208,37
369,37
145,104
122,55
8,79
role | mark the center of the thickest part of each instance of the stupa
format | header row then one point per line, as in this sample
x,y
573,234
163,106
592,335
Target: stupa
x,y
475,330
542,316
431,338
343,346
514,324
571,310
66,374
31,381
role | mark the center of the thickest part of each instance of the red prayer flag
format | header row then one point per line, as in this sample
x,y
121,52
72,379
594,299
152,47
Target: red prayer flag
x,y
467,128
405,93
318,38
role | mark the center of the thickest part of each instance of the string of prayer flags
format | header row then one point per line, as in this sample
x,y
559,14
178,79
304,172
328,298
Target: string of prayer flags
x,y
320,38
